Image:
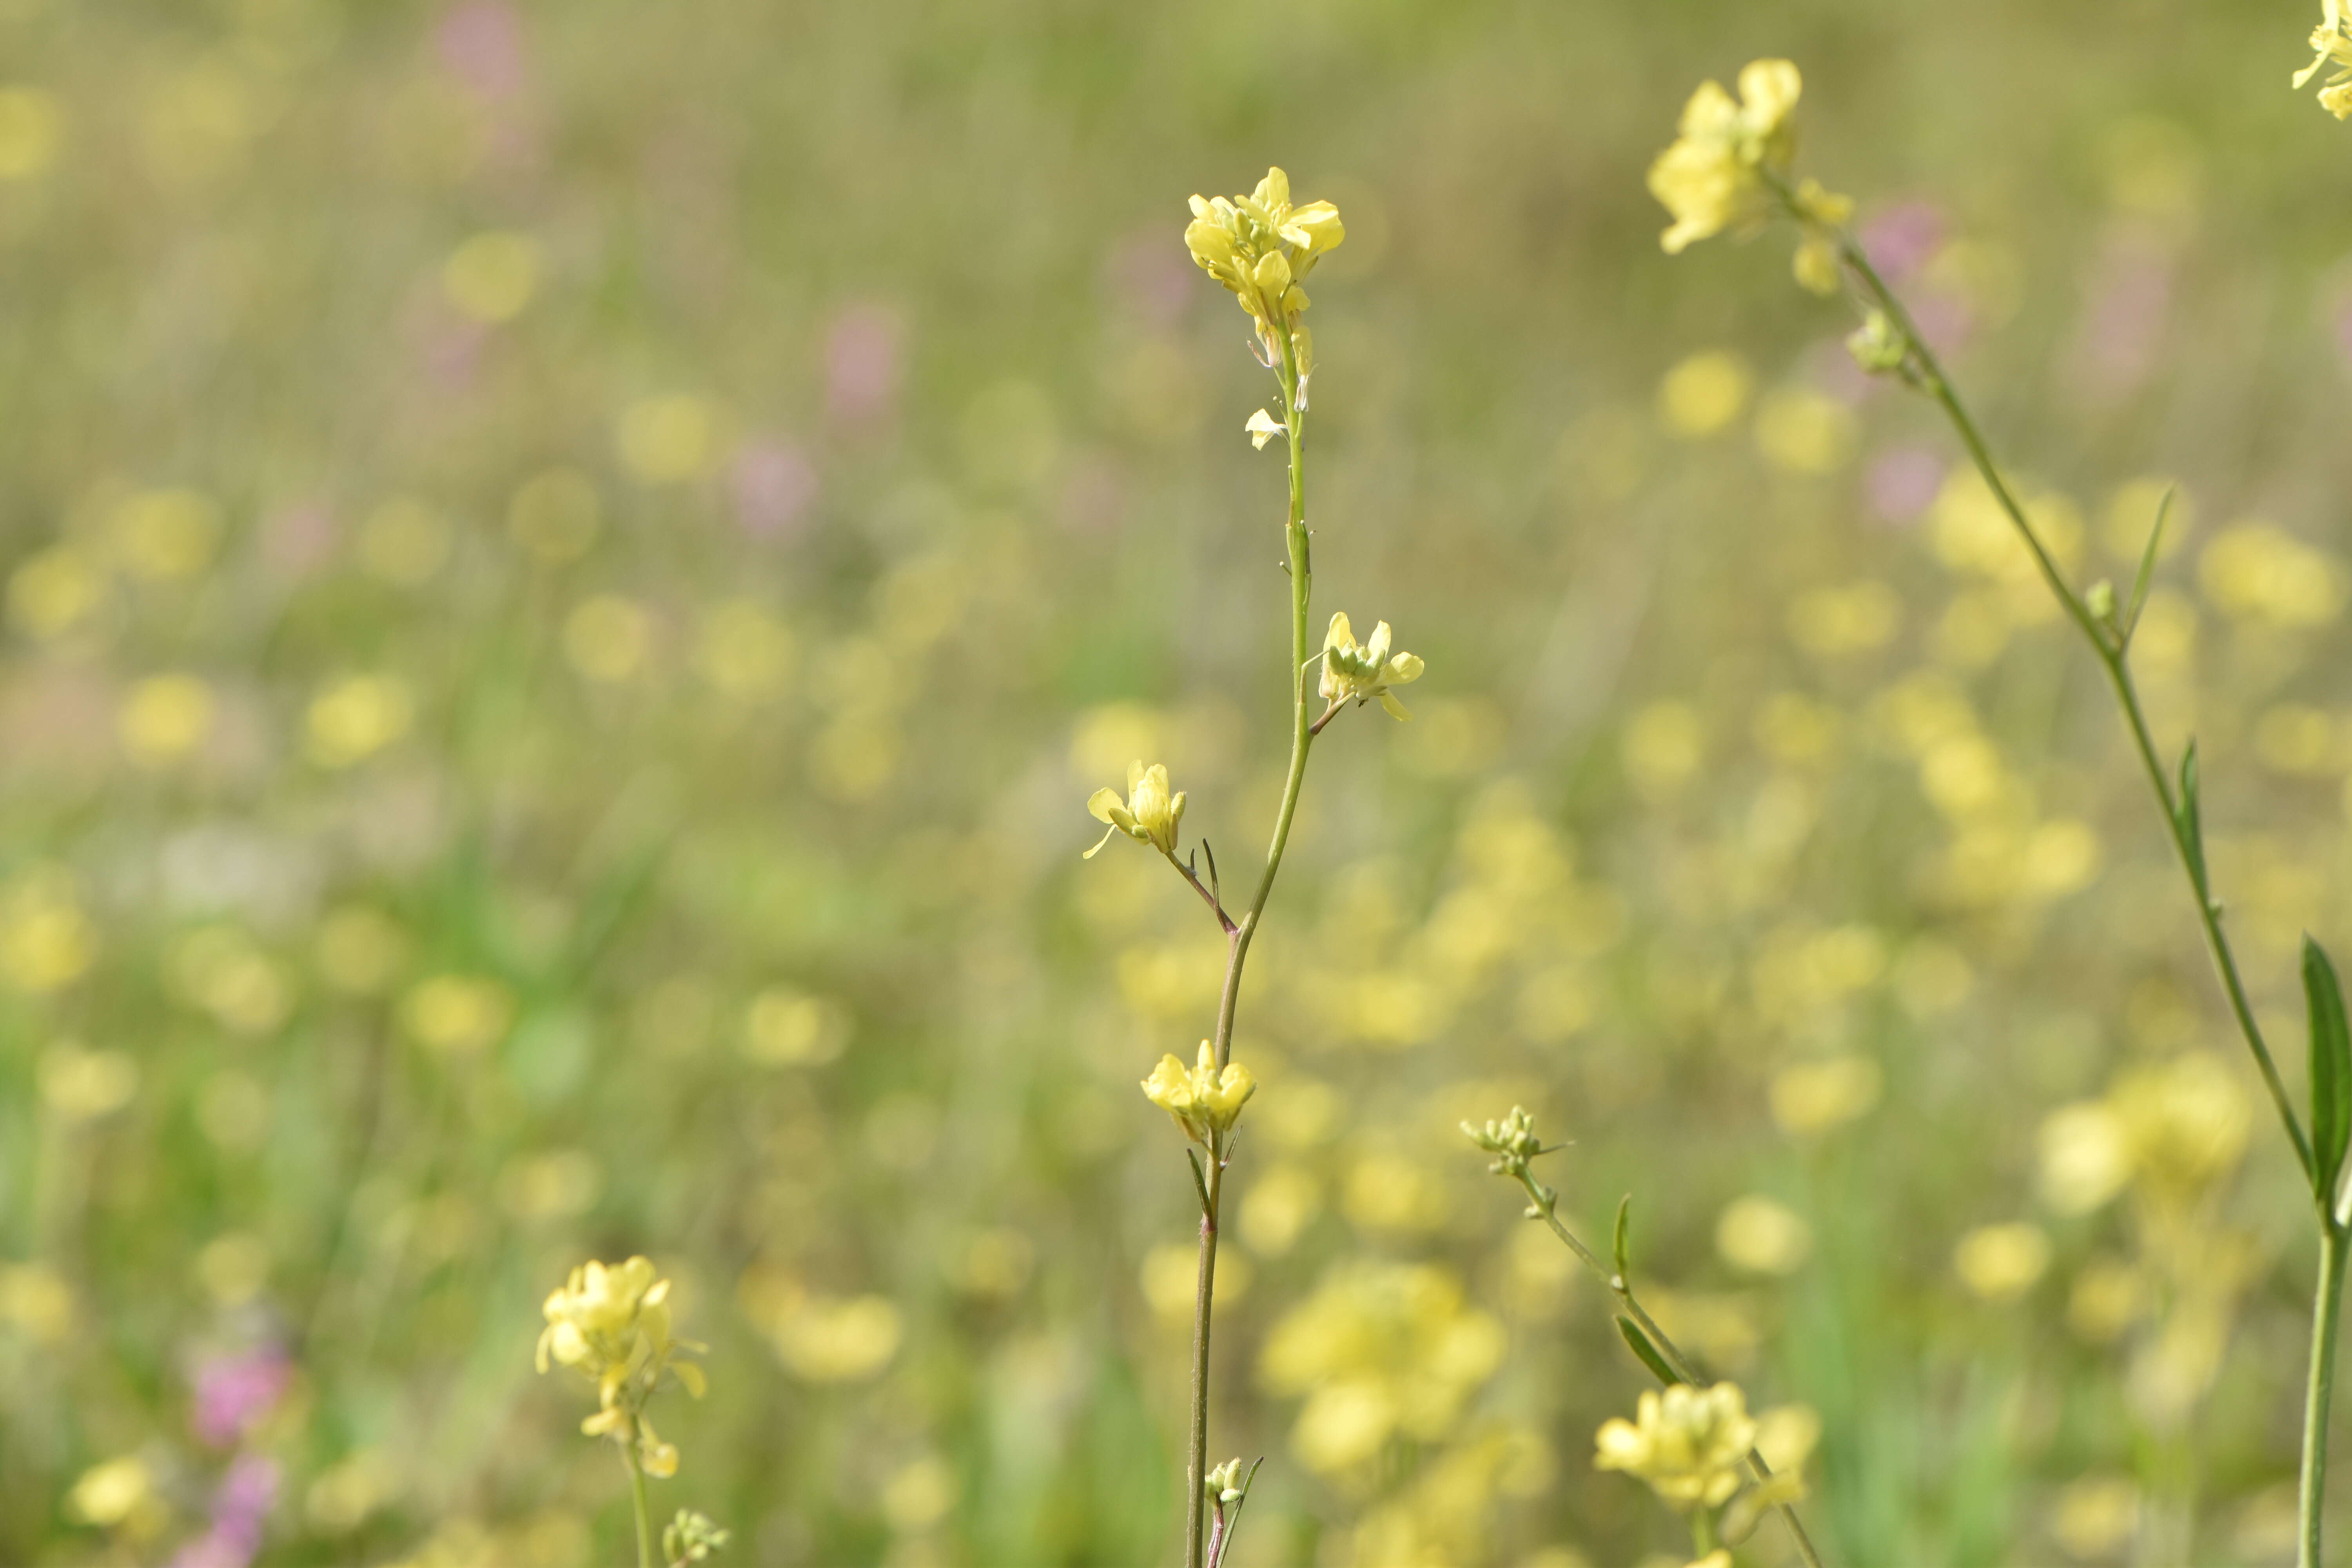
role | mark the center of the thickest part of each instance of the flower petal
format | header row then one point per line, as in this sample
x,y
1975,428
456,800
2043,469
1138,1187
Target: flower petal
x,y
1396,709
1102,802
1105,838
1342,634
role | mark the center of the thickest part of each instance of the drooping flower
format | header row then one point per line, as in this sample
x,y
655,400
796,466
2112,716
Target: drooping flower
x,y
1149,813
1688,1443
1358,673
1205,1101
2332,41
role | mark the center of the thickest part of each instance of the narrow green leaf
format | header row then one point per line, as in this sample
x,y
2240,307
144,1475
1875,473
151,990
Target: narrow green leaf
x,y
2331,1072
2191,819
1620,1245
2148,564
1642,1347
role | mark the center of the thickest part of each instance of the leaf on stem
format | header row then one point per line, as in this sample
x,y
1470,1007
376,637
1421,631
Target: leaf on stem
x,y
2190,820
1620,1243
2331,1072
2147,565
1639,1342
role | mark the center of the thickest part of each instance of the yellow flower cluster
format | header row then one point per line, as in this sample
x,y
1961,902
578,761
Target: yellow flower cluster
x,y
1358,673
611,1323
1729,157
2332,41
1688,1443
1149,813
1261,248
1205,1101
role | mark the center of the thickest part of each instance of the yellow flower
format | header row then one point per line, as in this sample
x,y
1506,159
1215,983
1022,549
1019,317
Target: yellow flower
x,y
1262,427
2332,41
1710,178
1149,813
1353,672
1261,248
611,1322
1688,1443
1205,1101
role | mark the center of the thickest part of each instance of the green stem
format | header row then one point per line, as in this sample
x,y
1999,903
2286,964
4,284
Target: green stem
x,y
1543,1202
1237,945
637,1497
2319,1396
2112,646
1196,1472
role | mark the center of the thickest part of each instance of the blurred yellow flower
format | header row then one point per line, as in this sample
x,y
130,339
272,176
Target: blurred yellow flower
x,y
1149,815
1856,617
1170,1279
1663,746
746,651
1354,673
1261,428
354,718
108,1494
166,718
491,276
82,1086
2096,1516
1703,394
2332,41
670,438
555,515
1999,1263
920,1494
2259,572
1205,1101
54,592
1763,1235
1811,1096
360,950
1709,178
37,1301
457,1014
828,1340
404,542
607,637
234,1267
46,943
30,129
787,1027
1802,431
165,535
1689,1444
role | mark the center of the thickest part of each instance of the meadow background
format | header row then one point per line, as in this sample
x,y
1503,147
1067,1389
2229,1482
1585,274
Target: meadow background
x,y
570,568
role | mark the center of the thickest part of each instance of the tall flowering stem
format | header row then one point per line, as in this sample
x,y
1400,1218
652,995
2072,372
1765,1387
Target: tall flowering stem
x,y
1260,247
1731,169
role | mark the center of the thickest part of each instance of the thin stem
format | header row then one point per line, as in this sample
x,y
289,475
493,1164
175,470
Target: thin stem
x,y
1302,738
637,1497
1223,920
1196,1472
2325,1309
1543,1206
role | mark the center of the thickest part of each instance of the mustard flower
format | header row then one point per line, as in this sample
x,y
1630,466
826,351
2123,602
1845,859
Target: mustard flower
x,y
1261,248
2332,40
1689,1444
611,1323
1710,179
1353,672
1205,1101
1150,813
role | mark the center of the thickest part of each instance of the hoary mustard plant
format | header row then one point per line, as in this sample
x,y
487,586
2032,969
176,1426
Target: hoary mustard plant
x,y
1697,1446
1732,168
1261,248
611,1322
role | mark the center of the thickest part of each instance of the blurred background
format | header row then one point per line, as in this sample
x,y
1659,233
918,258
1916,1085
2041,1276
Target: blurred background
x,y
570,568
